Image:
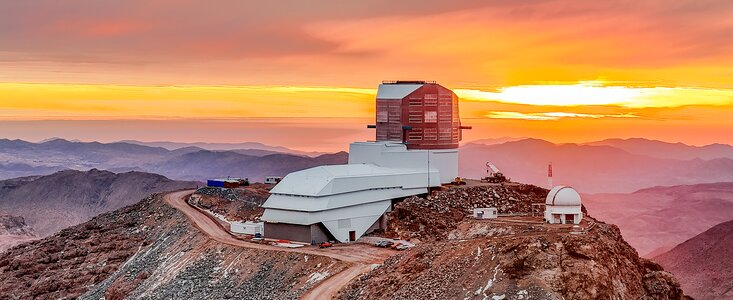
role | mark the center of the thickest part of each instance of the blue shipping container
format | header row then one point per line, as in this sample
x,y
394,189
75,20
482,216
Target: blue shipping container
x,y
215,183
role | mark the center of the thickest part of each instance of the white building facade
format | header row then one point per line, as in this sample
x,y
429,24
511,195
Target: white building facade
x,y
417,130
247,227
485,213
563,206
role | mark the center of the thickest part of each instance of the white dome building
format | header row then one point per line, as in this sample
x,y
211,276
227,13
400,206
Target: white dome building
x,y
562,206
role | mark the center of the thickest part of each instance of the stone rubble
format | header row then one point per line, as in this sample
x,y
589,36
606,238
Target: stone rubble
x,y
240,204
431,218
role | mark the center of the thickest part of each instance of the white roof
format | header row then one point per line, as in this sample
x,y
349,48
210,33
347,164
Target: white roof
x,y
396,91
563,196
337,179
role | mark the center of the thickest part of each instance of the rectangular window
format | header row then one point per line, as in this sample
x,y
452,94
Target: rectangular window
x,y
431,117
445,134
394,117
431,134
415,117
415,134
382,116
446,116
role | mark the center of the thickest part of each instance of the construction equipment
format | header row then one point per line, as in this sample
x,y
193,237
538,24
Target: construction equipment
x,y
494,175
459,181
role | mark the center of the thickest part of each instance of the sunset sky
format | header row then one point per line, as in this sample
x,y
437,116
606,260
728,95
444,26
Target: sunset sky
x,y
303,74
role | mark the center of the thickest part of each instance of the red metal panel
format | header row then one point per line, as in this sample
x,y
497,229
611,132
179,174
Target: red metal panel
x,y
431,112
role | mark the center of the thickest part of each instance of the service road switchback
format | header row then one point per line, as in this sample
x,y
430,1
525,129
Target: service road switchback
x,y
358,257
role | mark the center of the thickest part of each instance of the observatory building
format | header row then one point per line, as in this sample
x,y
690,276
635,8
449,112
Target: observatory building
x,y
563,206
417,133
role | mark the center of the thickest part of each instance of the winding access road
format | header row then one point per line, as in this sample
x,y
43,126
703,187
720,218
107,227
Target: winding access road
x,y
359,257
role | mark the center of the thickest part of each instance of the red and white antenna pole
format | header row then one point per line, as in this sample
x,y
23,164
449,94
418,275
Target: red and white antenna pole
x,y
549,176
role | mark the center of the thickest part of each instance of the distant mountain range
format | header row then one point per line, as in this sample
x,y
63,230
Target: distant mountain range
x,y
656,219
246,146
601,167
642,146
660,149
20,158
704,264
609,166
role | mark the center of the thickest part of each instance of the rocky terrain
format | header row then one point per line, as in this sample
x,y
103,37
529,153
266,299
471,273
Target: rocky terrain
x,y
240,204
431,218
517,257
704,264
66,198
13,231
656,219
150,251
503,263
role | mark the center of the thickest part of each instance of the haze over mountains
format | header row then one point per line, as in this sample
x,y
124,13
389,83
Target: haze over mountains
x,y
248,146
656,219
20,158
668,150
602,167
608,166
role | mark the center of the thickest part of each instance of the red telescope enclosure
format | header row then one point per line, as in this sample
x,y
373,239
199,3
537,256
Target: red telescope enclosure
x,y
423,115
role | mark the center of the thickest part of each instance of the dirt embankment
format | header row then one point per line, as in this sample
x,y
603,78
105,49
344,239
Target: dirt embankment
x,y
240,204
150,251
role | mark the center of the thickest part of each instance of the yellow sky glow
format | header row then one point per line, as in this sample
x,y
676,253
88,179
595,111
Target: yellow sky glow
x,y
596,93
52,101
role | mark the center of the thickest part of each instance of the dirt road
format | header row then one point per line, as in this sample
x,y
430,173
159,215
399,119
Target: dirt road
x,y
360,257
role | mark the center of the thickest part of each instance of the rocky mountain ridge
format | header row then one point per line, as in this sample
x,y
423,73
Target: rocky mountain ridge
x,y
703,263
66,198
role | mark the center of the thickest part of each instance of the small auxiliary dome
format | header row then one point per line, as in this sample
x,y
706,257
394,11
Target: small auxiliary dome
x,y
563,206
